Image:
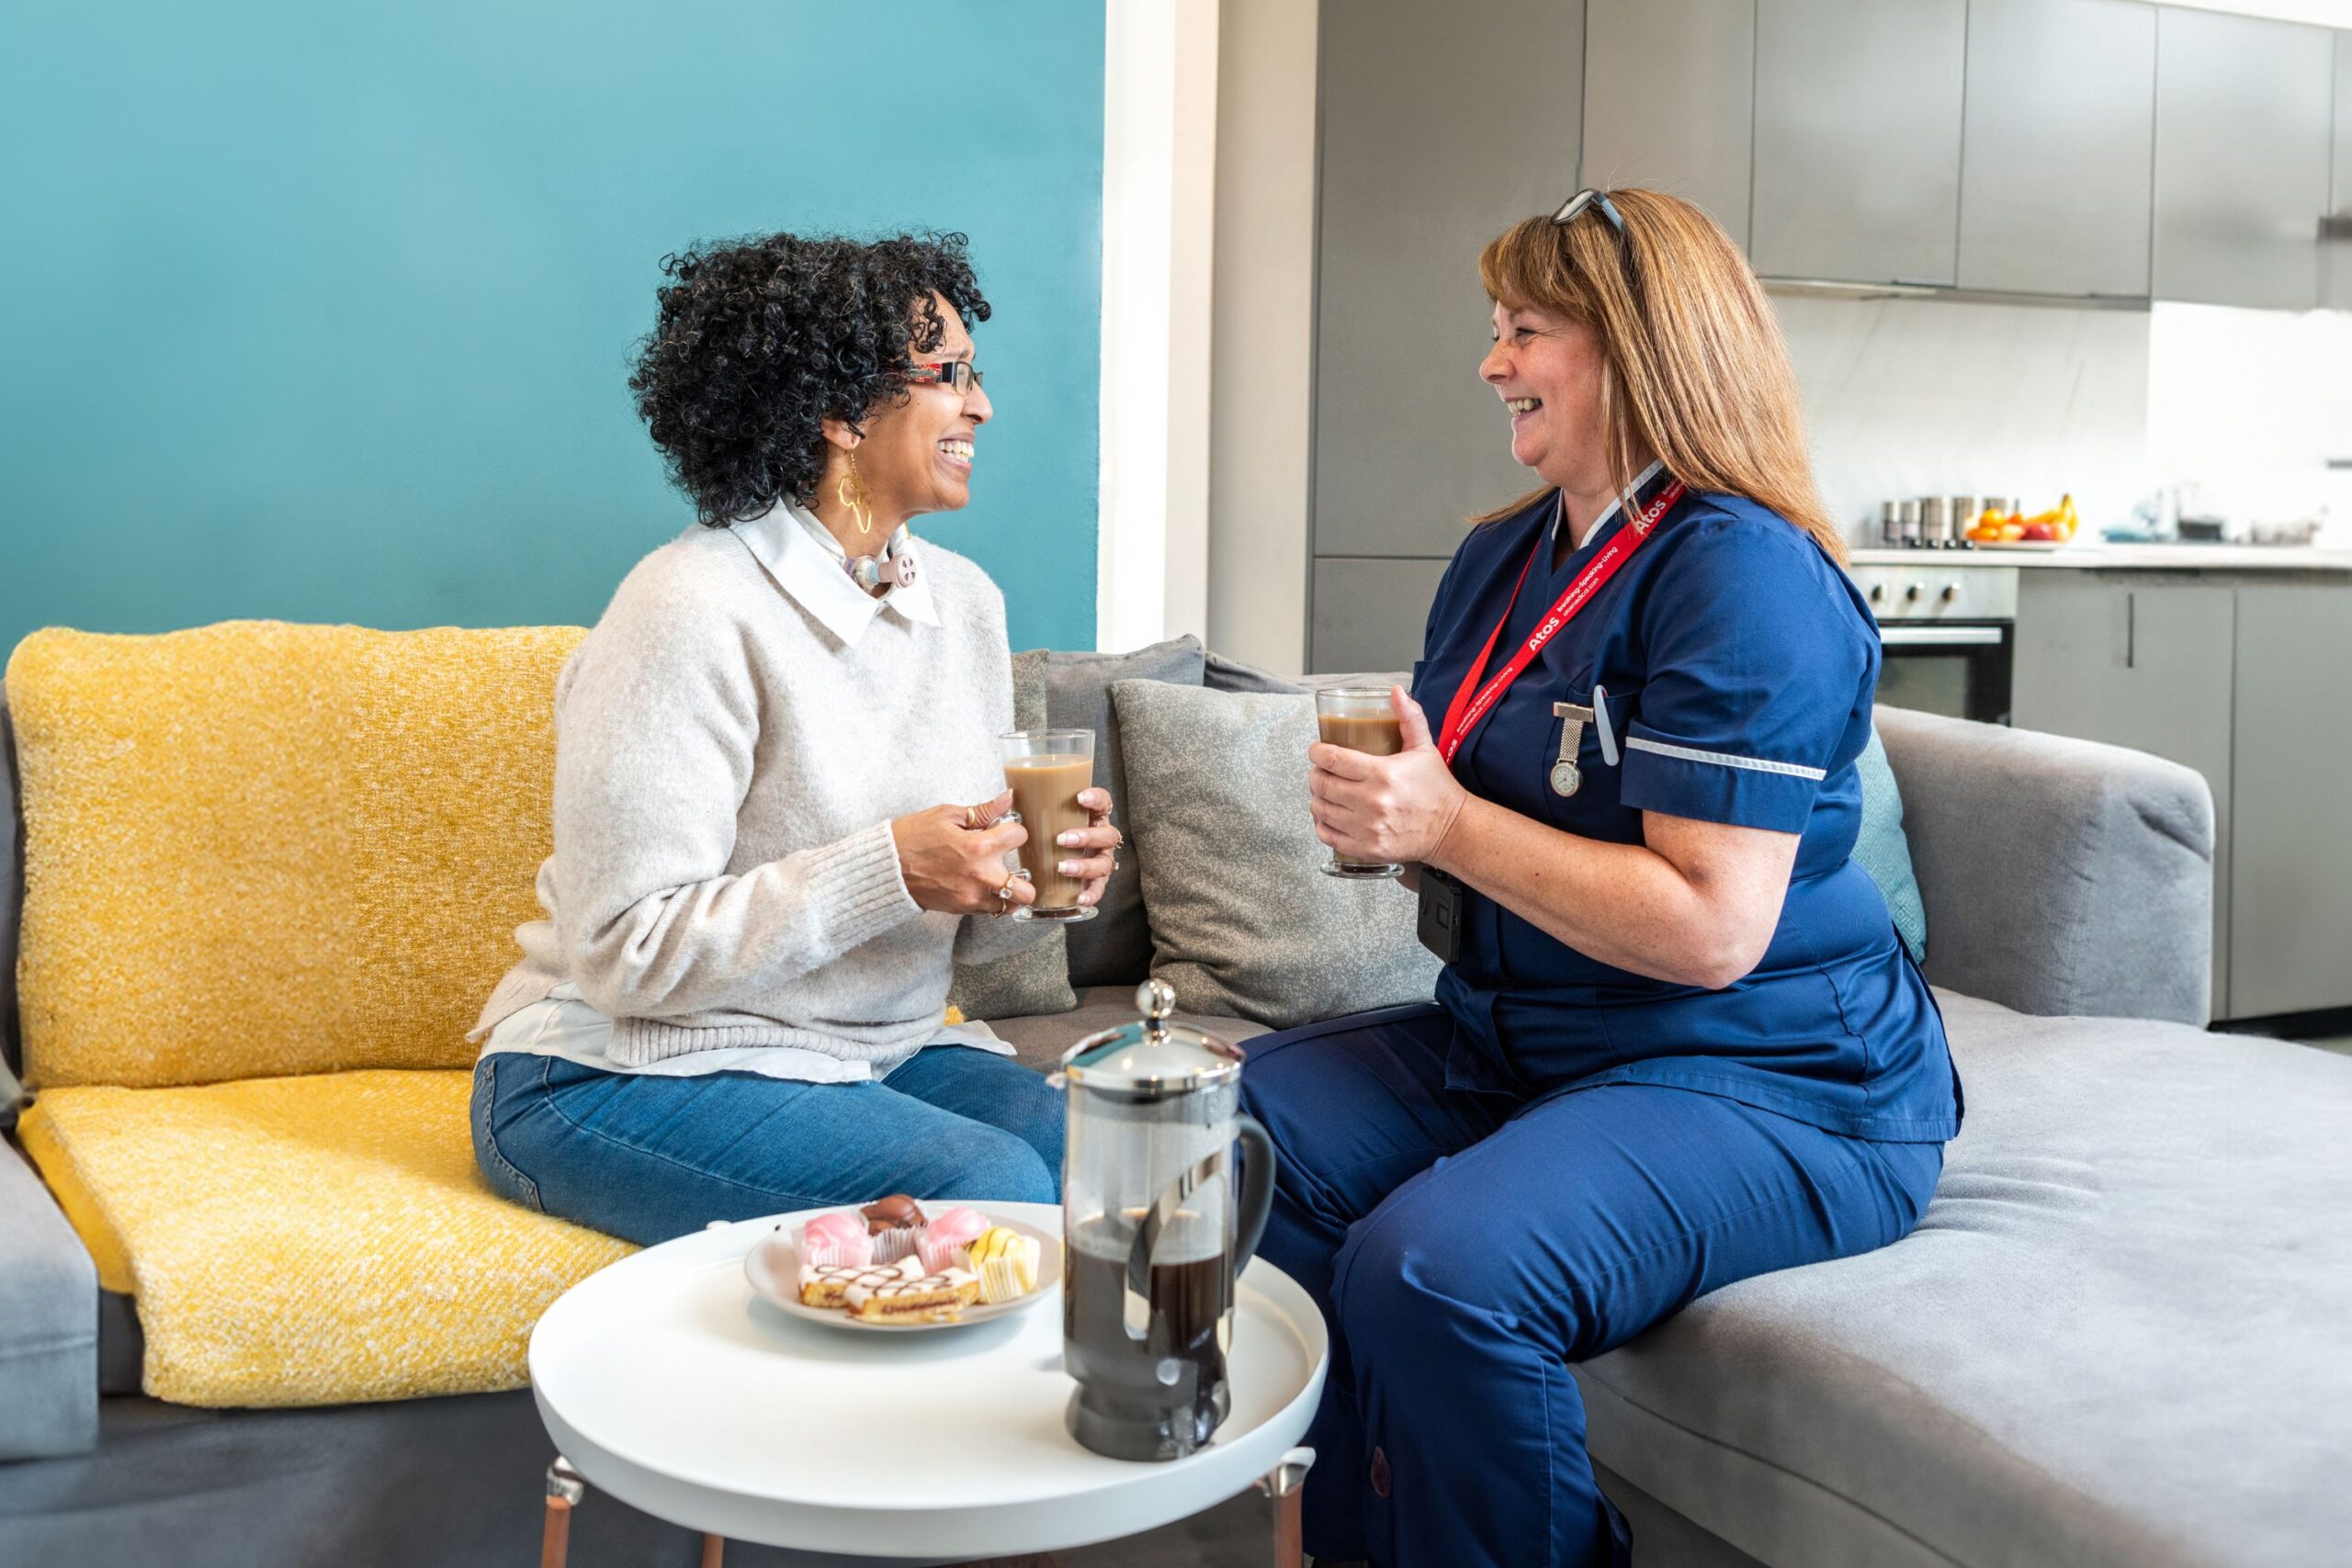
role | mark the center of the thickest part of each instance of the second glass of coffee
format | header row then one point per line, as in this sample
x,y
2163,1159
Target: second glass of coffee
x,y
1362,719
1046,769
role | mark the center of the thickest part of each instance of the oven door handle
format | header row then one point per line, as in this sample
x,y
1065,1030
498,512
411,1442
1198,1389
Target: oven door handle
x,y
1940,637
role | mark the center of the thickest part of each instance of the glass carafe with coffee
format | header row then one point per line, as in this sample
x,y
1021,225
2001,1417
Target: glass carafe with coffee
x,y
1155,1230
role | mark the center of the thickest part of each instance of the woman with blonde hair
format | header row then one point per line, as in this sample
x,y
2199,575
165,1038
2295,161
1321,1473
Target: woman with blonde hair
x,y
1676,1041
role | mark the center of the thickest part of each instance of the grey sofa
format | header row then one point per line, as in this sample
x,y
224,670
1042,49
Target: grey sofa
x,y
2119,1338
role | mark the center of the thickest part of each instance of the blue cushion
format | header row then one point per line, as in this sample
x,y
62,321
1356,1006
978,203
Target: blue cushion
x,y
1884,852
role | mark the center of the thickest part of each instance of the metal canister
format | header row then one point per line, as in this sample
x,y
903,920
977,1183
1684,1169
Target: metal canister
x,y
1935,520
1906,521
1965,511
1890,522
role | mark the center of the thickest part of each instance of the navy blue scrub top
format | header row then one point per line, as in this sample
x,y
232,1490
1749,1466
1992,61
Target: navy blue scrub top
x,y
1739,665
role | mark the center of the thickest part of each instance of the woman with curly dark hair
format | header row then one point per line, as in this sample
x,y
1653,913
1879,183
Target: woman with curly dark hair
x,y
778,786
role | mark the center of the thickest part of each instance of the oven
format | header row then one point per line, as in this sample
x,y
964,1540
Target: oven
x,y
1947,636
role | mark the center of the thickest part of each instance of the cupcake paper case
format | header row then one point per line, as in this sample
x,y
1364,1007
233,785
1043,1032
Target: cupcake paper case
x,y
836,1241
941,1244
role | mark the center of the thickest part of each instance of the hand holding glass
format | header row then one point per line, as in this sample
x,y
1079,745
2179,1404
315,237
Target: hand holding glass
x,y
1045,770
1362,719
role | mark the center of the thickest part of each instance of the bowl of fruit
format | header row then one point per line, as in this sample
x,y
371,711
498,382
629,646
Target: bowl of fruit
x,y
1995,529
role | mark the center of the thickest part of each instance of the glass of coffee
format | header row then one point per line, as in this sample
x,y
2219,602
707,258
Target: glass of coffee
x,y
1362,719
1046,769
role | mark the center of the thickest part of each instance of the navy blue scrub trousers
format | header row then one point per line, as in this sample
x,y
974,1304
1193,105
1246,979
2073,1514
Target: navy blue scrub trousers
x,y
1466,1247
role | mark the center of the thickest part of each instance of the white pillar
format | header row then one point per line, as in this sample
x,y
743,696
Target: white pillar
x,y
1158,221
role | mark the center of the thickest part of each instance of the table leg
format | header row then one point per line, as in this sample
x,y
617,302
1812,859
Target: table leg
x,y
713,1548
1282,1483
564,1490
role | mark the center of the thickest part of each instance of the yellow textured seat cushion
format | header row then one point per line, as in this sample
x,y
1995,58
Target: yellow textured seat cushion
x,y
308,1240
257,849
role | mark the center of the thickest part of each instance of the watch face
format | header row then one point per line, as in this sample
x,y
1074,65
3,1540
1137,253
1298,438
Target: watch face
x,y
1566,777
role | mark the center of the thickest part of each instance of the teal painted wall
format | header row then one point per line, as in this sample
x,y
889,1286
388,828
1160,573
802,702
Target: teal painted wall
x,y
325,311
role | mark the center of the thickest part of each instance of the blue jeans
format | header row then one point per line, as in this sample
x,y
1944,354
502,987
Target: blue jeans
x,y
1468,1246
648,1158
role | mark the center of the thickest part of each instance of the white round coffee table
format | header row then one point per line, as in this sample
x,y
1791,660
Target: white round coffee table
x,y
667,1383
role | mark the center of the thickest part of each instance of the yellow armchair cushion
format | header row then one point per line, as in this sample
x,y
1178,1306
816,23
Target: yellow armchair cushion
x,y
257,849
315,1240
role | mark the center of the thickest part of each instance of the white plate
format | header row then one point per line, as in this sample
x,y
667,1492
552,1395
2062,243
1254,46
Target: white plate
x,y
774,1267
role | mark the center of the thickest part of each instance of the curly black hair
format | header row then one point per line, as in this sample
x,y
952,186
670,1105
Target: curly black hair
x,y
759,339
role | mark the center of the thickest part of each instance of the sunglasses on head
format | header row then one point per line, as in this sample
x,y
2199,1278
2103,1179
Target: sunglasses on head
x,y
1589,197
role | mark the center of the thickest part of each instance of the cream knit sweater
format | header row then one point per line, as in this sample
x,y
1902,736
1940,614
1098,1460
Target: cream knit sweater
x,y
726,771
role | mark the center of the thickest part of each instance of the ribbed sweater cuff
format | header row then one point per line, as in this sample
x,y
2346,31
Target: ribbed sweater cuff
x,y
857,888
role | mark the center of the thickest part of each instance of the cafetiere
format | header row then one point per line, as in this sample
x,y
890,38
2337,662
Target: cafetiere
x,y
1157,1219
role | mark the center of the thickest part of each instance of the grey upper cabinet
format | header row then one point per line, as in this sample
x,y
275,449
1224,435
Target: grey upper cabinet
x,y
1670,100
1442,125
2058,146
2336,254
1858,112
2242,124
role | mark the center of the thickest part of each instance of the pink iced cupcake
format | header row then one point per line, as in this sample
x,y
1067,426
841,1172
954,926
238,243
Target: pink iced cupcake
x,y
835,1241
945,1240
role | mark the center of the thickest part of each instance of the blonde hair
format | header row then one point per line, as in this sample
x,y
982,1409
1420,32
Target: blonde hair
x,y
1694,370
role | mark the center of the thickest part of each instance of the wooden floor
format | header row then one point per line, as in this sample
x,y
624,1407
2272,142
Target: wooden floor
x,y
1238,1534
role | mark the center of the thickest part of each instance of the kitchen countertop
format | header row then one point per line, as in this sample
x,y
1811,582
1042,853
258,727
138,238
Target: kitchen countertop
x,y
2127,558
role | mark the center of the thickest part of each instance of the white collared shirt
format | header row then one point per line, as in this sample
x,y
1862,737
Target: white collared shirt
x,y
805,558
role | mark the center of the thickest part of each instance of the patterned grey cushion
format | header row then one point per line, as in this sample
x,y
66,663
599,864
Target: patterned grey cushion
x,y
1037,979
1113,948
1243,921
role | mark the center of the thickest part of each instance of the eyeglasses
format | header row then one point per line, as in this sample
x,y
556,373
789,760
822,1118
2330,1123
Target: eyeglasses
x,y
955,373
1587,197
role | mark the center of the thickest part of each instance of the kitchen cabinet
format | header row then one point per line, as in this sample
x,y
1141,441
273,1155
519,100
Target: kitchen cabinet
x,y
1442,126
2058,146
2335,255
1857,161
1369,614
2243,113
2291,874
2144,662
1669,98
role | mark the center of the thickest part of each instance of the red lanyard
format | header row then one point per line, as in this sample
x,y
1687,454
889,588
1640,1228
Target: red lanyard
x,y
1464,712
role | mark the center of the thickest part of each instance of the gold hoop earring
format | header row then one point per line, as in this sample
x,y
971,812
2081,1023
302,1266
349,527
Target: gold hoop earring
x,y
851,492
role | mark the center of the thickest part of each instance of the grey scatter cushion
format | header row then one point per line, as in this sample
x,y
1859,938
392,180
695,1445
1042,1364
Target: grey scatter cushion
x,y
1113,948
1037,979
1223,675
1243,921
